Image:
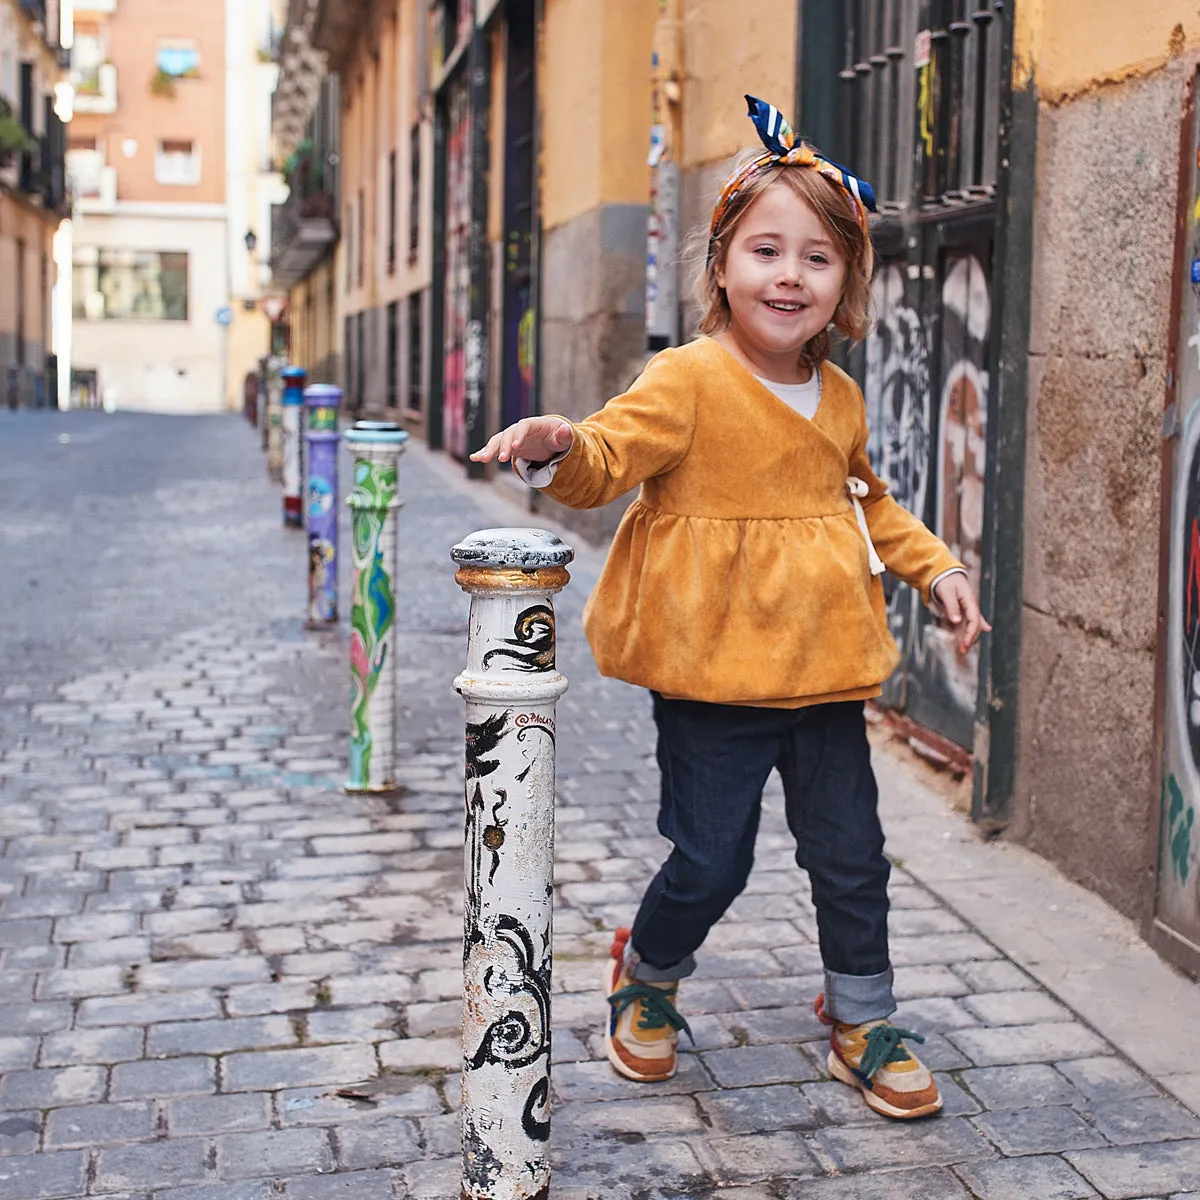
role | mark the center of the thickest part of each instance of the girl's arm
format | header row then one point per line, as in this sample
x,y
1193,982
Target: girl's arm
x,y
635,436
908,549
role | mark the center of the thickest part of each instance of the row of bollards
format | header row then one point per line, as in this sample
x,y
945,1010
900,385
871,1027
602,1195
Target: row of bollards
x,y
511,686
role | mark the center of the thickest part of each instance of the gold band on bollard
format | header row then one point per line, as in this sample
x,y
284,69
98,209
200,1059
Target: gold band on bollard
x,y
504,579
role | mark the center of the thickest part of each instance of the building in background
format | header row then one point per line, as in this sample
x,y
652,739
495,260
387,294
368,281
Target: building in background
x,y
169,162
307,132
253,181
32,196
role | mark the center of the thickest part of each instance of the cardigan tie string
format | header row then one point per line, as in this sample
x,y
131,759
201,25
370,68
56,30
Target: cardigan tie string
x,y
858,493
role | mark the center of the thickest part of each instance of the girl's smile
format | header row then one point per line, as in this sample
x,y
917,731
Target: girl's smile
x,y
783,278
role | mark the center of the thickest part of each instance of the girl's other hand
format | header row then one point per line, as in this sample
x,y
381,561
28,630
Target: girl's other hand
x,y
955,595
535,438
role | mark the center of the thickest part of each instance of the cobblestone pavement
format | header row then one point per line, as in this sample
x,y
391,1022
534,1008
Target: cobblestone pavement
x,y
223,979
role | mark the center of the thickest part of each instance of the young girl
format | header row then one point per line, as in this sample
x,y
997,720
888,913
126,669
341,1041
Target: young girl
x,y
742,588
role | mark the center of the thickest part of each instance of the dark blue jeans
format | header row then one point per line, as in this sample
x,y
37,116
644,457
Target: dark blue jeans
x,y
715,761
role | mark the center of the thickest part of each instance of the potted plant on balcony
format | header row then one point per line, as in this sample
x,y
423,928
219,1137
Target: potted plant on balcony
x,y
162,83
14,137
15,140
298,168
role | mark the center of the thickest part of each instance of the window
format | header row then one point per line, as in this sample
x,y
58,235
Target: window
x,y
391,246
414,195
85,164
416,395
178,57
130,285
362,234
87,57
393,353
349,246
177,162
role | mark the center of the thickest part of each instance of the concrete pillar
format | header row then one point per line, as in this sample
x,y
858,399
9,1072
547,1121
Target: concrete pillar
x,y
510,686
320,503
293,407
376,446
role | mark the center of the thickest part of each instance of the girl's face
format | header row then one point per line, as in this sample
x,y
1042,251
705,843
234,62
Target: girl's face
x,y
783,278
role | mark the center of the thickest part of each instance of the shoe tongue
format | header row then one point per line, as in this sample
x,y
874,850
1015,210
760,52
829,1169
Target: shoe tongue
x,y
864,1026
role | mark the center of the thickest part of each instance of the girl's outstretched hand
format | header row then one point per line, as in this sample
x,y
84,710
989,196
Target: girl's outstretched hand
x,y
534,438
955,595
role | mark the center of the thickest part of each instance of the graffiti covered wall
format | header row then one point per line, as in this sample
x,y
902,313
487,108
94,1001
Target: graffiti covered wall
x,y
926,388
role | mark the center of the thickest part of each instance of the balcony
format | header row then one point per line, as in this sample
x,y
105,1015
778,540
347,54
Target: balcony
x,y
95,6
341,26
303,228
31,164
95,89
93,183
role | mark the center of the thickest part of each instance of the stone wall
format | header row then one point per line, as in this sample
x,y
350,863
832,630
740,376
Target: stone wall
x,y
1101,301
593,326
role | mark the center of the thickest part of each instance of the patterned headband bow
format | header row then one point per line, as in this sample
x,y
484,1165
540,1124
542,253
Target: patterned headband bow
x,y
782,146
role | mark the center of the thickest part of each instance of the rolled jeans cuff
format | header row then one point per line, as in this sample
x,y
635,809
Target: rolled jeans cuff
x,y
638,968
853,999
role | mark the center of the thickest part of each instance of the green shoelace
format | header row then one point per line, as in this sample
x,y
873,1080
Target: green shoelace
x,y
658,1009
883,1046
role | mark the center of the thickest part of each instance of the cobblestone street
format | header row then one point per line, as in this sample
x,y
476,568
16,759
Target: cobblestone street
x,y
224,979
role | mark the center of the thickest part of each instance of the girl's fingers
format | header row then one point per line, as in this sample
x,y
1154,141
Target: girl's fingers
x,y
488,452
952,601
562,436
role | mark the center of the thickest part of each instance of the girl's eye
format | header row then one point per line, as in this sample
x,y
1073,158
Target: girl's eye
x,y
767,251
819,259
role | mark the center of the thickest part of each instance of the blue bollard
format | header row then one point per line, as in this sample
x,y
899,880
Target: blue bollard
x,y
320,503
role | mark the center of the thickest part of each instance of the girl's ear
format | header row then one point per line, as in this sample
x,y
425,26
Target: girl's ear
x,y
719,273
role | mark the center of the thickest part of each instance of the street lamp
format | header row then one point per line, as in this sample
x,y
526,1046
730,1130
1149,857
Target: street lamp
x,y
251,240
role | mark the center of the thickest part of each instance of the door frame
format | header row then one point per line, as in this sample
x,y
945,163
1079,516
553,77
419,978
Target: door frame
x,y
1168,942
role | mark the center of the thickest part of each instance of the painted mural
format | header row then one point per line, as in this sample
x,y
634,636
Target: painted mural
x,y
1179,840
1175,929
926,389
372,609
896,388
961,464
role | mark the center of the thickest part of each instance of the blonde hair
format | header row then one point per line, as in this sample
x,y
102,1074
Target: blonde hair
x,y
834,209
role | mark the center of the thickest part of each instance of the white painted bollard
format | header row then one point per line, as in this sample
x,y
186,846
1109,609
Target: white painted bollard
x,y
511,687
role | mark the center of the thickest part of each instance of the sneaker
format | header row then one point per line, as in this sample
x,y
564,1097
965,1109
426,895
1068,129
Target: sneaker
x,y
873,1058
642,1029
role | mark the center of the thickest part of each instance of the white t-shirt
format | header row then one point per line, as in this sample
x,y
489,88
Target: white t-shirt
x,y
803,397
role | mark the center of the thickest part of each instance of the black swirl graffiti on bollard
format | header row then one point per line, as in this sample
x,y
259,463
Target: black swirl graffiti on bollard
x,y
510,686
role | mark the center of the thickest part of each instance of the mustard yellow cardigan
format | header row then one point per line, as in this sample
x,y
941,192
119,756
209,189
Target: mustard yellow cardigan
x,y
740,574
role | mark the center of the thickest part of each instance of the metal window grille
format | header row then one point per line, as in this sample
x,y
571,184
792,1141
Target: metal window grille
x,y
393,353
362,235
391,246
919,92
415,398
414,194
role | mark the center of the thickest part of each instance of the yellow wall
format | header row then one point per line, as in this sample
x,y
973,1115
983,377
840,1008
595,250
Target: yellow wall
x,y
22,225
726,56
594,70
379,105
1069,46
